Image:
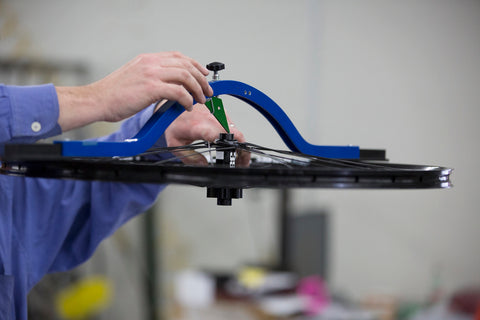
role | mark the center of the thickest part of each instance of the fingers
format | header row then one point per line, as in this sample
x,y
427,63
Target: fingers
x,y
188,73
243,156
166,69
209,130
200,124
144,80
185,79
191,157
194,63
175,92
237,133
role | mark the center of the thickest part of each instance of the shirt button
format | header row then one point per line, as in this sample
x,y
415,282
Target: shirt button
x,y
36,126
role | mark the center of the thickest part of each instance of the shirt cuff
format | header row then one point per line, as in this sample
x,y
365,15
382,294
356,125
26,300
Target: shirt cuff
x,y
34,112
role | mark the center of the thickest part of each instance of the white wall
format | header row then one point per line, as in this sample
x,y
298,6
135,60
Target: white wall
x,y
400,75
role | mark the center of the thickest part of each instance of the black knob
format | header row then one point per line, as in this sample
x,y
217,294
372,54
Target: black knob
x,y
215,66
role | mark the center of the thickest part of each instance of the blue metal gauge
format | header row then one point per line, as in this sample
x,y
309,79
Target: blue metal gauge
x,y
160,121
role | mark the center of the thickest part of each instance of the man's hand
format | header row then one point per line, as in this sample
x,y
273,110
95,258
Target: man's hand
x,y
200,124
139,83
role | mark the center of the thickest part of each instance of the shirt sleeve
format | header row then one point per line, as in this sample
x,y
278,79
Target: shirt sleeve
x,y
28,113
65,220
59,223
52,224
63,229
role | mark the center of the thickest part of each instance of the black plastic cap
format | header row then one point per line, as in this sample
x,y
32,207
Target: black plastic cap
x,y
226,136
215,66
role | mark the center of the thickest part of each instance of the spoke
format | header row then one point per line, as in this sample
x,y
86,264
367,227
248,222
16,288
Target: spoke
x,y
277,159
320,161
190,155
192,146
283,157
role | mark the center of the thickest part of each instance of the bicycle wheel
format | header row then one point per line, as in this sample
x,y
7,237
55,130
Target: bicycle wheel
x,y
269,168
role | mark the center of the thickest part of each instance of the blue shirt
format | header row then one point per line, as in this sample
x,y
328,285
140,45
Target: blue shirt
x,y
49,225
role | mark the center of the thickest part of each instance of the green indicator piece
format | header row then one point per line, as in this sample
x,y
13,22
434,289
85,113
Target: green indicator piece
x,y
215,105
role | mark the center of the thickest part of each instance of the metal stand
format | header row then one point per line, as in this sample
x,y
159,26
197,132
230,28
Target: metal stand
x,y
153,270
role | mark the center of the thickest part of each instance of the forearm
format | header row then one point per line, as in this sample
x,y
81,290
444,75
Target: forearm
x,y
78,107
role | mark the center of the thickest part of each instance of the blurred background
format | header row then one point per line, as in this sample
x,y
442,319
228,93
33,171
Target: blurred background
x,y
399,75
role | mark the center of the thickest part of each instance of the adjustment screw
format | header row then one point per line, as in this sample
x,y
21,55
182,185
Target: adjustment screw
x,y
215,67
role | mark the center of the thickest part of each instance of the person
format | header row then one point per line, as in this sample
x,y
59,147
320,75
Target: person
x,y
49,225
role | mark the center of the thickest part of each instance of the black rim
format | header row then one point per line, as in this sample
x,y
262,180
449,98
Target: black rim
x,y
270,168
